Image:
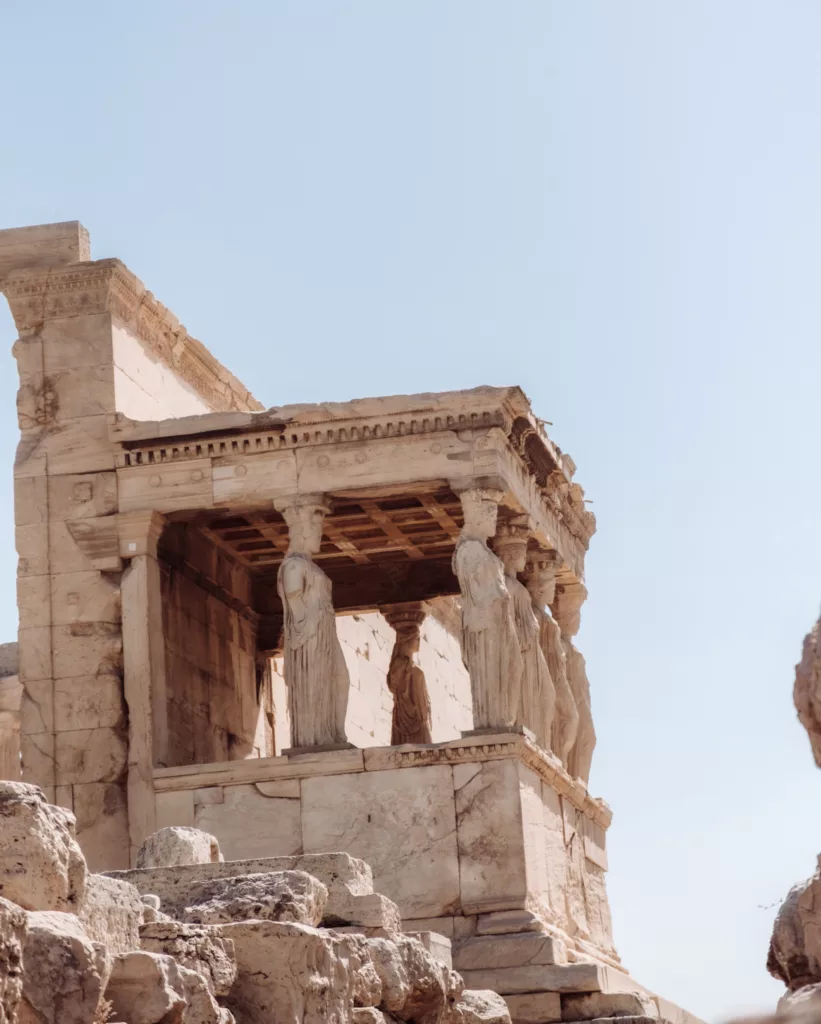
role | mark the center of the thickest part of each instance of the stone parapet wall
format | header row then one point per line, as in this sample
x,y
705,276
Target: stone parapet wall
x,y
475,826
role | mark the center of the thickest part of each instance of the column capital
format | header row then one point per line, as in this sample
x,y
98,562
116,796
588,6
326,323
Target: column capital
x,y
491,485
409,615
139,532
288,502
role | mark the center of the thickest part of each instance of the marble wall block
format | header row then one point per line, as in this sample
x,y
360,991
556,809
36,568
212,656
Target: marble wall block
x,y
402,822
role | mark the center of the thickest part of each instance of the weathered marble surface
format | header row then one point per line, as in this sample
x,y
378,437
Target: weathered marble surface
x,y
490,643
403,821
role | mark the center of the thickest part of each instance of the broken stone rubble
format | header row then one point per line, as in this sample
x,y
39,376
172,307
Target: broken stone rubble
x,y
258,959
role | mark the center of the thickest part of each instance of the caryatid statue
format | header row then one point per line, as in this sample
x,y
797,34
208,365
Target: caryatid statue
x,y
315,671
538,700
406,680
490,646
566,607
540,580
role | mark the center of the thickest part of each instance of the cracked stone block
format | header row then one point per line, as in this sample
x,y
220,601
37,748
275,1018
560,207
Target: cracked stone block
x,y
177,845
278,896
112,912
41,864
64,972
198,948
146,988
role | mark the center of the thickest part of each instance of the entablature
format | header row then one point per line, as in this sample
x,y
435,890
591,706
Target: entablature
x,y
390,467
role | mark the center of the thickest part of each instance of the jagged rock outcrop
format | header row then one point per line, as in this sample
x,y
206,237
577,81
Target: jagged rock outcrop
x,y
794,956
807,690
795,947
178,844
41,865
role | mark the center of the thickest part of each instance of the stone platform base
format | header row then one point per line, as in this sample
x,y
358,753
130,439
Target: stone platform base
x,y
481,825
484,840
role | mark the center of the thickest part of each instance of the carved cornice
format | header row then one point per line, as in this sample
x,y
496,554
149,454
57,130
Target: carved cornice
x,y
108,286
561,499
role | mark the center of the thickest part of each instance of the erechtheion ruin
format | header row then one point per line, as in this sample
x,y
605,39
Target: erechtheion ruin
x,y
342,630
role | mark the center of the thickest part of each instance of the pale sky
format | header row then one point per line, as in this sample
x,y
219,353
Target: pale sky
x,y
615,204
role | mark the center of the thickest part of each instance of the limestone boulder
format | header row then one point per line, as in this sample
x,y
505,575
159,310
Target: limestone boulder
x,y
391,971
795,947
367,985
415,986
177,845
12,938
201,1006
196,948
64,972
479,1006
146,988
41,864
278,896
289,972
112,912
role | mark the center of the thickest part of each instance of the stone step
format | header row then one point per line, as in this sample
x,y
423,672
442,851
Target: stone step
x,y
351,899
560,978
339,872
594,1005
534,1007
613,1003
489,952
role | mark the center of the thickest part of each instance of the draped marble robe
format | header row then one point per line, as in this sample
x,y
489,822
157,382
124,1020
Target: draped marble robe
x,y
538,701
580,757
411,718
315,669
566,719
490,644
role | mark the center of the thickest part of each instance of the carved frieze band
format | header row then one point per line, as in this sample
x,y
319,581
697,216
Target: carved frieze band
x,y
107,286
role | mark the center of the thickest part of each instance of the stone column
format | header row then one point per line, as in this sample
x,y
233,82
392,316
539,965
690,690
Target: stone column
x,y
566,608
538,700
411,703
490,646
315,671
144,683
540,579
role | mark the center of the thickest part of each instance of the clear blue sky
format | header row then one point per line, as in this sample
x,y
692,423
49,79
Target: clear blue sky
x,y
615,204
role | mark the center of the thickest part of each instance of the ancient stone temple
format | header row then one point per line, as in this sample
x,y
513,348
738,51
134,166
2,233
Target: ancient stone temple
x,y
338,628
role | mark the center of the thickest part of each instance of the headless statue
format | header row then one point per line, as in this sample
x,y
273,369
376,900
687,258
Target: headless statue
x,y
410,722
541,584
490,646
538,700
315,669
567,613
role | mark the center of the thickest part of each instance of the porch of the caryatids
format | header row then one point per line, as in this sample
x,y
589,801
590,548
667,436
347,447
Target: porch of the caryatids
x,y
315,671
490,645
411,719
540,580
566,608
538,696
